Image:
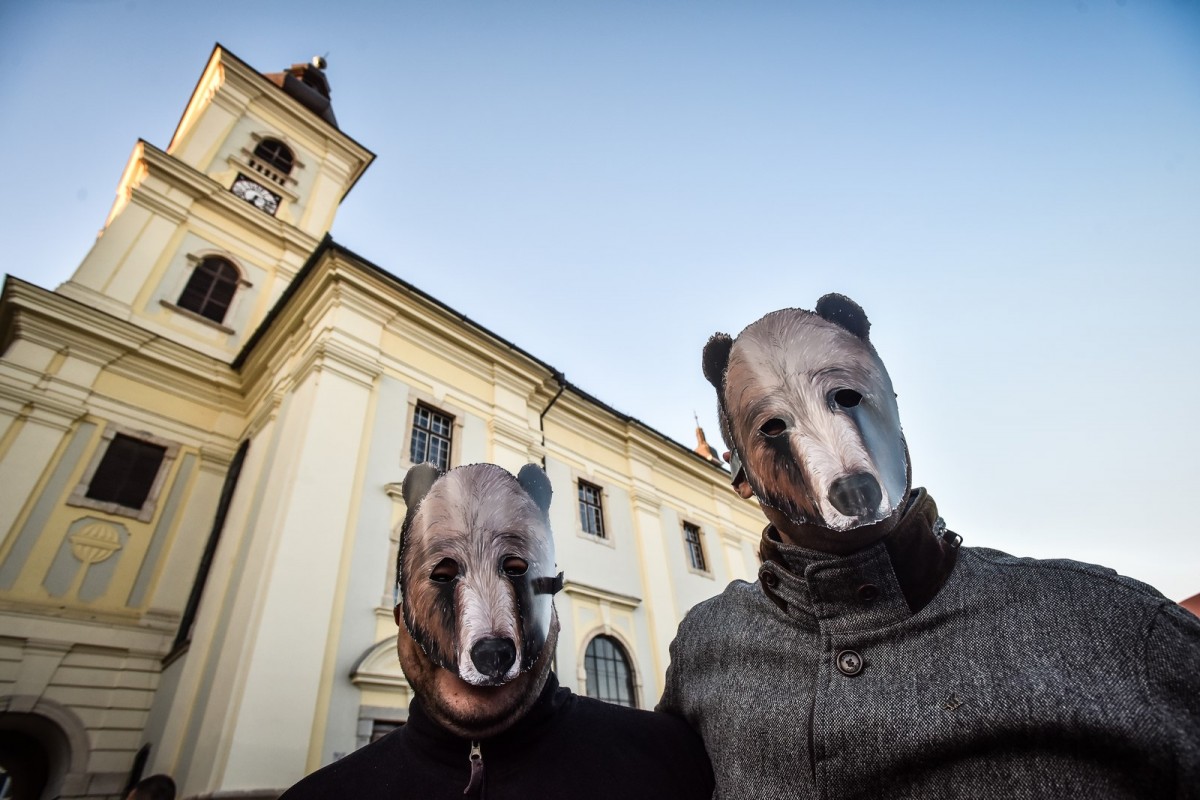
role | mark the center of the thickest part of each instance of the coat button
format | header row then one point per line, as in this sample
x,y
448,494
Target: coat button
x,y
868,592
769,578
849,663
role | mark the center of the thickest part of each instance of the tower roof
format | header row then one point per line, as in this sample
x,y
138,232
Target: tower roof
x,y
307,84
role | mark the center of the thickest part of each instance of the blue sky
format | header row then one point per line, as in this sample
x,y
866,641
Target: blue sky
x,y
1010,188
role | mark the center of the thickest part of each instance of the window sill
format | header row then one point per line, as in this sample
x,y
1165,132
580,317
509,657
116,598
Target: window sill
x,y
198,317
591,537
143,514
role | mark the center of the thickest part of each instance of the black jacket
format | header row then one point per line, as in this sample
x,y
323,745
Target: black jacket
x,y
566,747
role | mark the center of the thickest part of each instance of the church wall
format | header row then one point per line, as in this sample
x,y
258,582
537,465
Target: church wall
x,y
196,714
291,657
366,583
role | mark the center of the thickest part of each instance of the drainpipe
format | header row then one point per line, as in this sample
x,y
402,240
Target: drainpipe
x,y
561,380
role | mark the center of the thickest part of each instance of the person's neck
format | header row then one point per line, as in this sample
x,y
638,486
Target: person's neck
x,y
827,540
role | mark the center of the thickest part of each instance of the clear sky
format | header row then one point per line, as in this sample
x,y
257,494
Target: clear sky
x,y
1010,188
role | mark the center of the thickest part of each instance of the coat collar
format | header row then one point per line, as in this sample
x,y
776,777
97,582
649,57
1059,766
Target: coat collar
x,y
435,741
910,564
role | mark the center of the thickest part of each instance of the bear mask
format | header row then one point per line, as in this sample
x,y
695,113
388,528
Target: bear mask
x,y
475,572
808,412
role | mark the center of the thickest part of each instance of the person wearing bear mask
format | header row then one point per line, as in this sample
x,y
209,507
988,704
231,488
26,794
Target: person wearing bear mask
x,y
475,580
875,656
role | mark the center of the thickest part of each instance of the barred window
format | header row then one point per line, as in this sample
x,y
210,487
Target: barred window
x,y
431,437
695,547
609,677
591,513
210,288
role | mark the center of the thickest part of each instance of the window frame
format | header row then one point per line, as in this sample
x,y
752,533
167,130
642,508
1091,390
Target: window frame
x,y
271,160
181,271
237,281
696,548
145,512
451,425
631,683
580,485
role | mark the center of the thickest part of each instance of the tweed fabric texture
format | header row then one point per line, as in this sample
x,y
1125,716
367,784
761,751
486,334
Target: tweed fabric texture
x,y
1020,678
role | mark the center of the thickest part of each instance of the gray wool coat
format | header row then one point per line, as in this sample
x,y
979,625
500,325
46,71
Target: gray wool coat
x,y
919,669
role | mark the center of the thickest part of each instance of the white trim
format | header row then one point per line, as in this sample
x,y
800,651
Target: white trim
x,y
146,512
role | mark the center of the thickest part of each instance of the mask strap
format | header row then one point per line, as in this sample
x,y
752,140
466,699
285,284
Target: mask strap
x,y
548,585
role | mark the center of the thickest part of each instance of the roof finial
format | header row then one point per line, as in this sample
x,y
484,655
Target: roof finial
x,y
703,448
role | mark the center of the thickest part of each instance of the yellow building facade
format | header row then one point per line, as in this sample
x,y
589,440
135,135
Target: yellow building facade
x,y
202,438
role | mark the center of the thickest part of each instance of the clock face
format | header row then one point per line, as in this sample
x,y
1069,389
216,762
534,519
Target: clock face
x,y
255,193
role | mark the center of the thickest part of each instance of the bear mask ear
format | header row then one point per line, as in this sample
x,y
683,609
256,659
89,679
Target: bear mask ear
x,y
716,358
845,313
417,483
535,483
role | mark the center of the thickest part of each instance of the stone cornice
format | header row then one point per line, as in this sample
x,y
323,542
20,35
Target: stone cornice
x,y
501,428
645,499
47,317
204,189
336,356
127,633
582,590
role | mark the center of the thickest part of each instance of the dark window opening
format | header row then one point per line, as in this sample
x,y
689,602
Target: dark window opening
x,y
695,548
609,677
210,289
127,471
276,154
381,728
431,438
591,513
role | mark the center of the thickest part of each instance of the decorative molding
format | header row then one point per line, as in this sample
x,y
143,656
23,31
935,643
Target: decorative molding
x,y
150,198
95,542
379,668
501,428
644,499
194,317
146,511
335,356
583,591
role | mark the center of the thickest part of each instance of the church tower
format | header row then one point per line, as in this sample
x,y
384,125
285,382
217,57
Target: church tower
x,y
124,423
205,236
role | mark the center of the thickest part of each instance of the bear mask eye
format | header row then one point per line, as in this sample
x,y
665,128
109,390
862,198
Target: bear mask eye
x,y
773,427
445,571
514,566
847,398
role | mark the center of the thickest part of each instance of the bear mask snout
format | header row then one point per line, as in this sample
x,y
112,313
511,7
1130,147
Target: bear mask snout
x,y
855,495
494,656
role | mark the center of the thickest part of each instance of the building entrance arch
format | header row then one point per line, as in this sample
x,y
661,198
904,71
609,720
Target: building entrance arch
x,y
43,749
25,761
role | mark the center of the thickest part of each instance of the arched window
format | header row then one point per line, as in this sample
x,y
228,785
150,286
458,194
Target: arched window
x,y
210,289
276,154
609,676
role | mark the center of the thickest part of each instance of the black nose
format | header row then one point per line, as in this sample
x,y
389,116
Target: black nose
x,y
855,495
493,657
